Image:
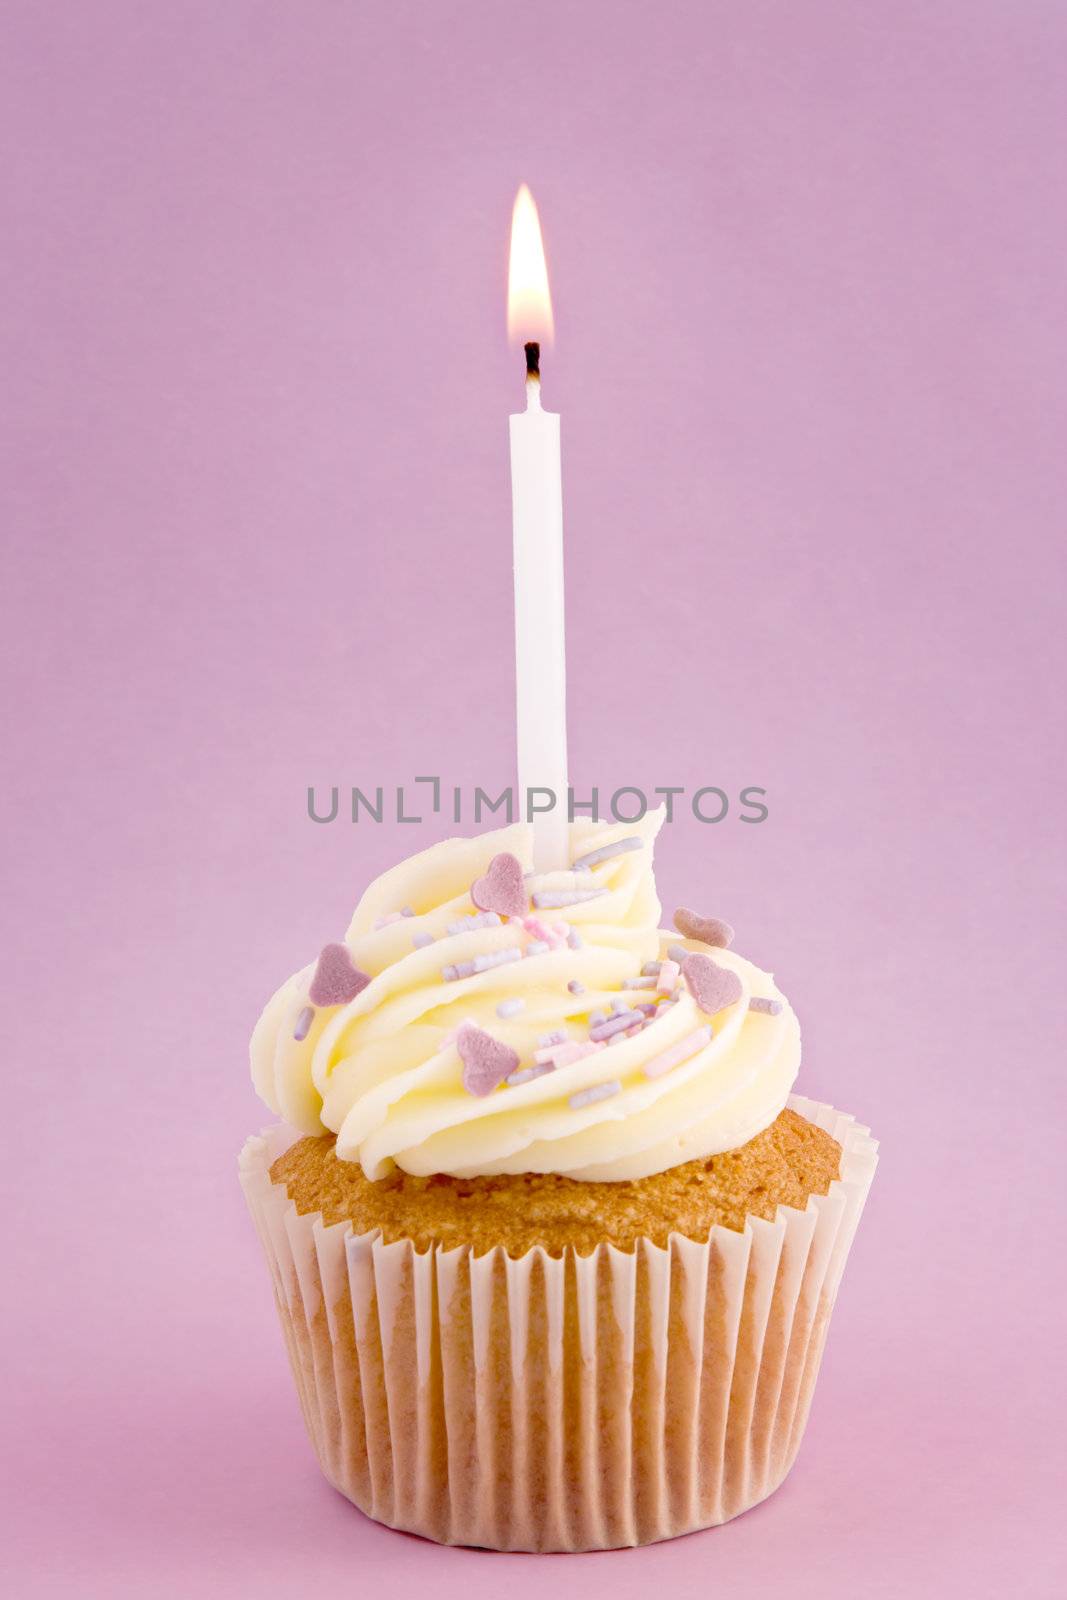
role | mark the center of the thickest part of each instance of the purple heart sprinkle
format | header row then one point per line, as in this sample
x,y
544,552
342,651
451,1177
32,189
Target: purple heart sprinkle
x,y
708,930
486,1061
712,987
337,979
502,888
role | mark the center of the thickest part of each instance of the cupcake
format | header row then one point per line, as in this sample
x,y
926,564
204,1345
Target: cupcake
x,y
554,1247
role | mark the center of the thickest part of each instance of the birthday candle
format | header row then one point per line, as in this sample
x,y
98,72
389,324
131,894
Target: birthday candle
x,y
537,521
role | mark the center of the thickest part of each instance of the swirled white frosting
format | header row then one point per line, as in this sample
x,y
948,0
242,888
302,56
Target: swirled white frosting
x,y
383,1072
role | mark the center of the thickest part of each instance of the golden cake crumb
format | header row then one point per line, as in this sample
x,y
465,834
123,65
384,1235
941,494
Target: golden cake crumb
x,y
783,1165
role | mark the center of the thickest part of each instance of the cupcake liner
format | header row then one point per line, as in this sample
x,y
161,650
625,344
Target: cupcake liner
x,y
574,1403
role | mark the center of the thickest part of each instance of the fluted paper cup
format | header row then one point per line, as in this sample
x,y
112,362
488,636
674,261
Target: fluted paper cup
x,y
574,1403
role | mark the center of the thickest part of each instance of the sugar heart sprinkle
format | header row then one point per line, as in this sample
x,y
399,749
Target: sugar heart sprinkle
x,y
712,987
501,888
486,1061
337,979
709,930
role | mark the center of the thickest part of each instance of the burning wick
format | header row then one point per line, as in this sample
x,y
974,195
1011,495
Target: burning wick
x,y
533,360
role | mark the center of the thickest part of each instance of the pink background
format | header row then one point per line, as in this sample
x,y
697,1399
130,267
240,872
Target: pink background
x,y
809,280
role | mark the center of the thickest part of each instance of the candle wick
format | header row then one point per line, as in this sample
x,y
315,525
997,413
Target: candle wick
x,y
533,359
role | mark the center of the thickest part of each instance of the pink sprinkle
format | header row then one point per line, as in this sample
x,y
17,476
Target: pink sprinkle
x,y
574,987
668,976
677,1053
539,930
564,1055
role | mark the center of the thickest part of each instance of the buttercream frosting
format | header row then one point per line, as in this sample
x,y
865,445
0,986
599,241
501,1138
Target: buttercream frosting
x,y
618,1072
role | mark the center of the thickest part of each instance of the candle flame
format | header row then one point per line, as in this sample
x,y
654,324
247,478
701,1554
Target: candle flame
x,y
529,302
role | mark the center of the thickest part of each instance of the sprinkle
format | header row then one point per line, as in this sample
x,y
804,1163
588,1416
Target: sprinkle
x,y
606,851
510,1008
763,1003
565,1055
616,1024
421,939
574,939
546,898
649,1008
597,1017
639,983
555,1037
651,969
406,911
303,1023
501,887
677,1053
536,947
598,1091
467,969
385,922
712,987
708,930
527,1074
679,953
574,987
497,958
484,919
486,1061
539,930
669,974
337,979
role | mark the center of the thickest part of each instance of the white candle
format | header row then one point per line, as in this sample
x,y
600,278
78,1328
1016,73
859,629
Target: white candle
x,y
537,521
